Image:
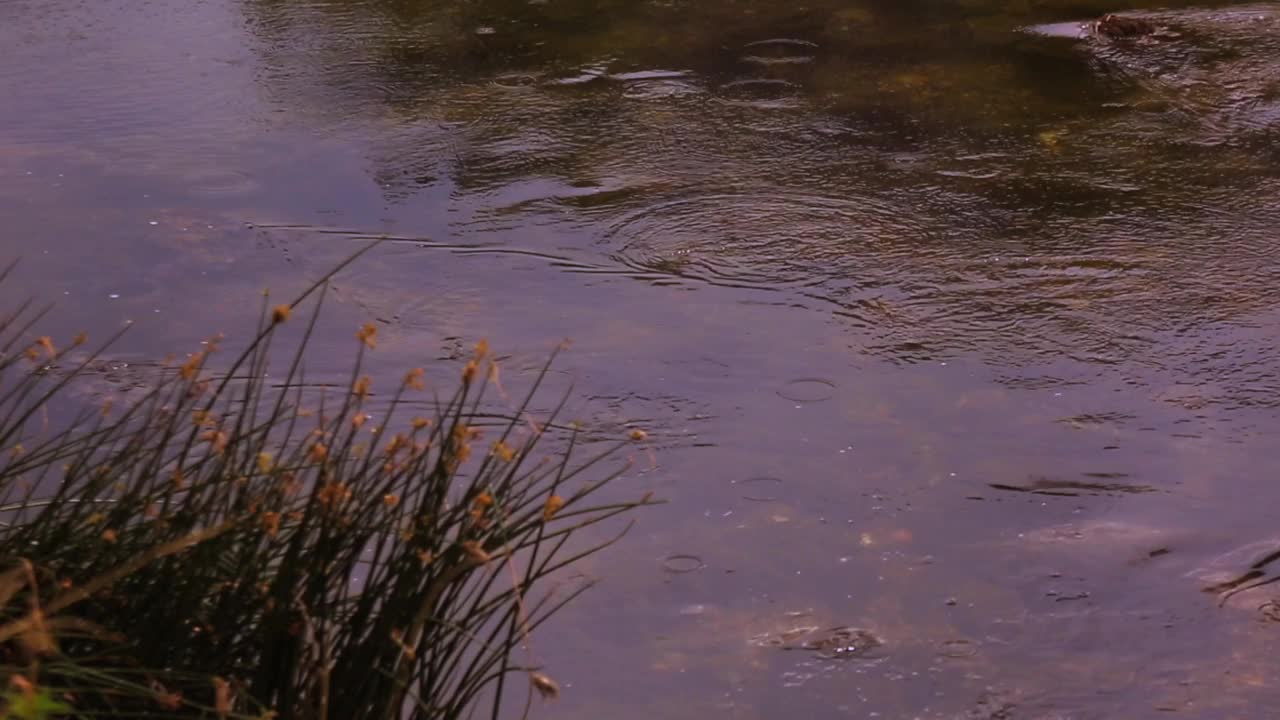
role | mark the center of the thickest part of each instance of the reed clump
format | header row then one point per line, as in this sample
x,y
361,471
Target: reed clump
x,y
229,544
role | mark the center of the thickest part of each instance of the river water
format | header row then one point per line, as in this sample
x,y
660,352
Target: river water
x,y
955,331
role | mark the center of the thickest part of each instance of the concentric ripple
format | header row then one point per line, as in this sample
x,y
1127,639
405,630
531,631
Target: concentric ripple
x,y
759,239
764,93
779,51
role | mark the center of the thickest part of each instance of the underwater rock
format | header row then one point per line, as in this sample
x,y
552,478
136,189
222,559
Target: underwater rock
x,y
1121,26
1247,577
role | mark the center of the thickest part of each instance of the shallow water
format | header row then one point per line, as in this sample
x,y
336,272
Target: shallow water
x,y
953,328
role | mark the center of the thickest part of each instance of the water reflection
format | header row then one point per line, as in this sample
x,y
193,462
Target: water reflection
x,y
939,198
951,335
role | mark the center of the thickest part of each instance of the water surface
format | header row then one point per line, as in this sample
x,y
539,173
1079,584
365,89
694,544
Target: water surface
x,y
953,326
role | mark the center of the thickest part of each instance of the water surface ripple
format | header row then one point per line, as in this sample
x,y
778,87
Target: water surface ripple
x,y
952,324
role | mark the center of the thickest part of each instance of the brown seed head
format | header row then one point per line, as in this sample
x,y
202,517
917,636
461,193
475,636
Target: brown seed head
x,y
545,686
46,344
414,379
552,506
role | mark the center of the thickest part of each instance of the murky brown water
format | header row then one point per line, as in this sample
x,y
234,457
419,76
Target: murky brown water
x,y
956,332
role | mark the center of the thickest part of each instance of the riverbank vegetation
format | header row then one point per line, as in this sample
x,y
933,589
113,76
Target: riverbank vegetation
x,y
233,543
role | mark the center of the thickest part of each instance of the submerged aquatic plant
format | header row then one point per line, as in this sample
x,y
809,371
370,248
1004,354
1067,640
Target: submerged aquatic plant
x,y
213,548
